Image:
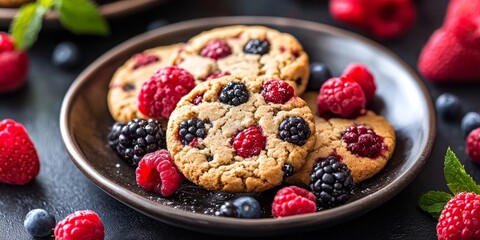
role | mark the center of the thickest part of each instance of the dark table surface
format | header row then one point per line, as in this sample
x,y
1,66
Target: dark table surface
x,y
62,189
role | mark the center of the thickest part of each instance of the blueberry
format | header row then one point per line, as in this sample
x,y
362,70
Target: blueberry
x,y
247,207
319,73
157,24
39,223
470,122
66,55
448,106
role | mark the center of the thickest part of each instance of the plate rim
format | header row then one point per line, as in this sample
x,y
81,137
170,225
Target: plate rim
x,y
227,226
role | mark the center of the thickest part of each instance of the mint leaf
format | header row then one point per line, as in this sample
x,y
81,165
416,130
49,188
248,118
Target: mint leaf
x,y
27,24
81,16
457,179
433,202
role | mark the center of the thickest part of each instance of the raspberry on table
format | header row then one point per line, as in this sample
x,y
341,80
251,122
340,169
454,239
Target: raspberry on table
x,y
363,141
160,94
257,46
288,170
143,59
459,218
216,49
84,224
331,182
14,70
341,96
217,75
276,91
292,200
191,129
234,93
6,43
156,172
294,130
249,142
473,145
363,77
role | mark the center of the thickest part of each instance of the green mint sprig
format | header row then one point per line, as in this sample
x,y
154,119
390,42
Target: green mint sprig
x,y
458,181
78,16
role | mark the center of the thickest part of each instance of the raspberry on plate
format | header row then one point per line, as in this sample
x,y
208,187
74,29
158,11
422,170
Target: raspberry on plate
x,y
216,49
293,200
160,94
276,91
83,224
18,157
459,218
363,77
156,172
341,96
249,142
473,145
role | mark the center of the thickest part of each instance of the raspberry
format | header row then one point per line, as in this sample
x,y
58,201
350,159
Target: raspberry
x,y
160,94
18,157
341,96
294,130
6,43
249,142
13,71
217,75
459,218
216,49
363,77
143,59
276,91
473,145
190,130
235,93
84,224
290,201
157,172
198,99
257,46
363,142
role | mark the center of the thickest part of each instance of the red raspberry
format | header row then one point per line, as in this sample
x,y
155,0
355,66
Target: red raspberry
x,y
363,142
216,49
143,59
156,172
249,142
80,225
6,43
198,99
217,75
160,94
459,218
293,200
18,157
276,91
342,96
364,77
14,65
473,145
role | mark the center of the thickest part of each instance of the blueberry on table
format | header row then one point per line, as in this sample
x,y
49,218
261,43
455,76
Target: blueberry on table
x,y
470,122
157,24
247,207
319,73
448,106
66,55
39,223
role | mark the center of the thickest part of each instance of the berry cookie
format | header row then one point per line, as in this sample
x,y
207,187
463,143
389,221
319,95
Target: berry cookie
x,y
127,81
364,144
240,134
246,50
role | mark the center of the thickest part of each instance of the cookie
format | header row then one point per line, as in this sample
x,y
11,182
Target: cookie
x,y
332,140
246,50
13,3
128,79
225,135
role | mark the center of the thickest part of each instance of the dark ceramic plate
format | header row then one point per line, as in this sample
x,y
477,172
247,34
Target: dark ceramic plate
x,y
401,98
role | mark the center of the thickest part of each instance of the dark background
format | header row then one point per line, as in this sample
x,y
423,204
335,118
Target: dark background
x,y
62,189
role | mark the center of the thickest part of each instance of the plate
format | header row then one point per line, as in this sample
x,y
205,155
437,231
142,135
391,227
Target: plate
x,y
402,98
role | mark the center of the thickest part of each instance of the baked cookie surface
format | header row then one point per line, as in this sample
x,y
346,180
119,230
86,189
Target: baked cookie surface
x,y
247,51
237,143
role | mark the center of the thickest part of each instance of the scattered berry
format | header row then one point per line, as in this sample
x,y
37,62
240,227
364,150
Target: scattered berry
x,y
160,94
249,142
341,96
473,145
319,74
247,207
14,69
331,182
363,141
276,91
66,55
157,172
459,218
137,138
18,157
227,210
448,106
363,77
39,223
292,200
217,75
143,59
470,122
157,24
216,49
191,129
294,130
235,93
288,170
84,224
257,46
6,43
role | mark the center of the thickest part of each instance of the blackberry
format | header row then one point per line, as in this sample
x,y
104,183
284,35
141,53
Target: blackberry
x,y
114,134
287,170
191,129
227,210
331,182
294,130
235,93
139,137
257,46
